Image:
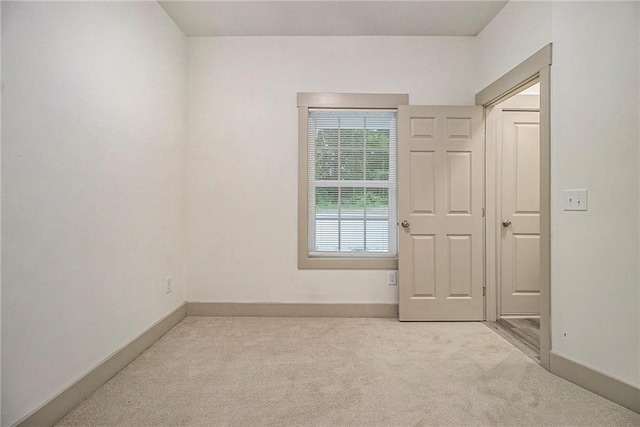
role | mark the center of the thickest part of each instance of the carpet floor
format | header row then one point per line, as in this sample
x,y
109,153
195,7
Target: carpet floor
x,y
210,371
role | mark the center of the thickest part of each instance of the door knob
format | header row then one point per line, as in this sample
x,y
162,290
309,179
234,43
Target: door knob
x,y
405,224
506,223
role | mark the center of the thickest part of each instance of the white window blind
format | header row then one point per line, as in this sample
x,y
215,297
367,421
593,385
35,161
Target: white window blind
x,y
352,183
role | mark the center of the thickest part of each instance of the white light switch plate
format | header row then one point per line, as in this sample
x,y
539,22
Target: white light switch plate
x,y
575,200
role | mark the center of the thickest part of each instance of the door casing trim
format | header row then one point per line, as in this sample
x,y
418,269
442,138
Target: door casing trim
x,y
537,66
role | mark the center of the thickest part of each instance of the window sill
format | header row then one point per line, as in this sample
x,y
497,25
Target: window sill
x,y
306,263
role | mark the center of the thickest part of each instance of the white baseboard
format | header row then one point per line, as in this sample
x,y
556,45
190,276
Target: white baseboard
x,y
60,405
291,309
597,382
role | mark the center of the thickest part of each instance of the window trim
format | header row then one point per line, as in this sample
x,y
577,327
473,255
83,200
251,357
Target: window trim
x,y
307,100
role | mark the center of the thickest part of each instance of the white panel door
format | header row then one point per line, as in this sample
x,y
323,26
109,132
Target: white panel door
x,y
520,234
440,208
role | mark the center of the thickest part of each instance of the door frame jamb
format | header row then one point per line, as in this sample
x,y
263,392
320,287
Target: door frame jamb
x,y
537,66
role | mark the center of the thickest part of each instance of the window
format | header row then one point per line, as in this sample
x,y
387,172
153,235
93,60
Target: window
x,y
347,198
351,177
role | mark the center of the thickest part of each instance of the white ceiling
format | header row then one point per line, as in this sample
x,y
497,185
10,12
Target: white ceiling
x,y
332,18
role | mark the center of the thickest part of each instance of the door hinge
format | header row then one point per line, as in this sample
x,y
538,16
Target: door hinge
x,y
484,291
483,212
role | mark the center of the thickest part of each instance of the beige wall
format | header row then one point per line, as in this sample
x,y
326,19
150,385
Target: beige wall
x,y
595,145
520,29
243,148
92,164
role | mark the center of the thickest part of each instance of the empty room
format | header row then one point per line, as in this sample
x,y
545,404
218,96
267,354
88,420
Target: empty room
x,y
307,212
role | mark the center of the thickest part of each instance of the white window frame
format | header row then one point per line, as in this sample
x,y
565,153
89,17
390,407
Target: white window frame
x,y
307,101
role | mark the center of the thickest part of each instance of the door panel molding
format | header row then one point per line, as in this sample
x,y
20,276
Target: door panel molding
x,y
441,198
517,199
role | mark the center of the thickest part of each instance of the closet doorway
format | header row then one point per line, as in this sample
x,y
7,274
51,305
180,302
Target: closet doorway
x,y
517,227
517,200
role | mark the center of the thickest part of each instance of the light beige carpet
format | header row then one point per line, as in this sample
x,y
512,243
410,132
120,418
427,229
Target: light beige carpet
x,y
211,371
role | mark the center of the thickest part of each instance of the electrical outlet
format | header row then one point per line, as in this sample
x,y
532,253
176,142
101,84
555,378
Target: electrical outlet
x,y
168,284
575,200
392,278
